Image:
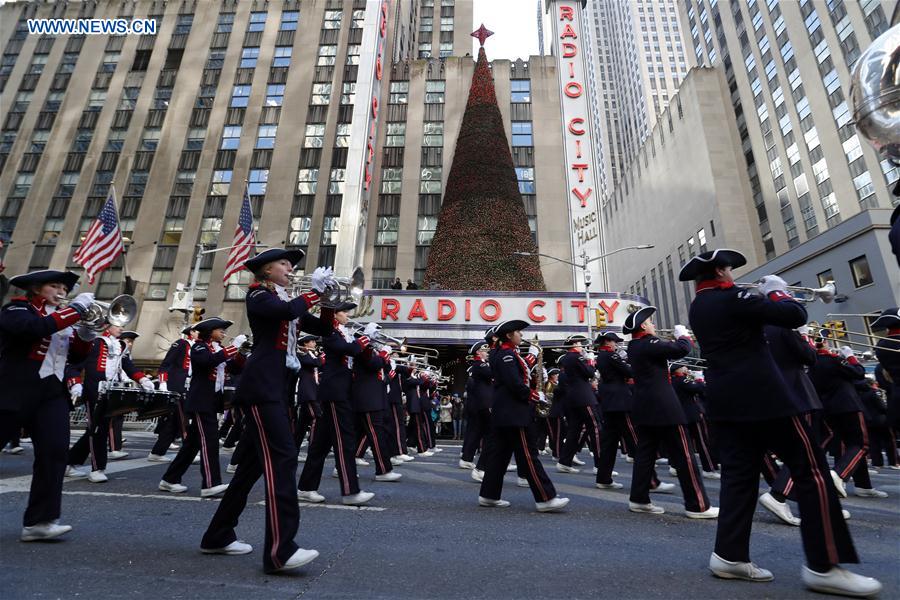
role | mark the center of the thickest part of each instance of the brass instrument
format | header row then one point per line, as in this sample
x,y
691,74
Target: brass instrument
x,y
692,363
826,293
875,93
380,336
819,328
542,409
120,312
348,289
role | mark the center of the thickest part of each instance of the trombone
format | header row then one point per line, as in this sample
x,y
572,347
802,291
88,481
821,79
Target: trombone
x,y
826,293
120,312
858,334
347,288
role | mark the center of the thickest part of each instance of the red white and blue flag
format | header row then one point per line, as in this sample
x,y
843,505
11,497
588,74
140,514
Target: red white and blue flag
x,y
244,240
103,243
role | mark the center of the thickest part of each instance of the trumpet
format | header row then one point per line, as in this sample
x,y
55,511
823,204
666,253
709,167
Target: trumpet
x,y
379,336
120,312
348,289
826,293
692,363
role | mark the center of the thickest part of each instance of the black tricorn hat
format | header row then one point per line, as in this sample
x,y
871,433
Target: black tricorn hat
x,y
25,281
207,325
888,319
273,254
634,320
510,326
703,263
607,336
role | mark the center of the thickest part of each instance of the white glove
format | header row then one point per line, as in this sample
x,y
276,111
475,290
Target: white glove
x,y
681,331
533,350
163,386
846,351
322,278
239,340
371,329
803,330
146,384
590,356
772,283
82,302
542,397
75,391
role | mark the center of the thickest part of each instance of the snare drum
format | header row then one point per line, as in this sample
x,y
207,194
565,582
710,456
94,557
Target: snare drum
x,y
228,397
156,403
120,400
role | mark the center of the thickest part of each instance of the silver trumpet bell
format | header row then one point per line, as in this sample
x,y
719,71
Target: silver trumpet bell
x,y
120,312
348,289
875,94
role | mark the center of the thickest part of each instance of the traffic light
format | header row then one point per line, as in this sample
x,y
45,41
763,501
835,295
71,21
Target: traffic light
x,y
840,329
600,318
199,311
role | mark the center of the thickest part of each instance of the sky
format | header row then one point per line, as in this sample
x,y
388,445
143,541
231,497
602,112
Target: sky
x,y
514,23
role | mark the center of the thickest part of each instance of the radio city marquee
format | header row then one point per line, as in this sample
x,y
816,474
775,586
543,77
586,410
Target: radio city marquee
x,y
452,317
582,190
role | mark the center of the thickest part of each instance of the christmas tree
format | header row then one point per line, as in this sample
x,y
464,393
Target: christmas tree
x,y
482,220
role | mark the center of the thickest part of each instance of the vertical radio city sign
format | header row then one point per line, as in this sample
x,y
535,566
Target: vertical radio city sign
x,y
358,175
582,191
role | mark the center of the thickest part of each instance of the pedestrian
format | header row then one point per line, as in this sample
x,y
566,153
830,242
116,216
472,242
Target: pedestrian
x,y
456,413
410,285
446,417
396,284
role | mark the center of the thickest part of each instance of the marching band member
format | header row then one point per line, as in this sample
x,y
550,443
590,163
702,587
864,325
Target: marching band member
x,y
270,451
415,430
882,437
688,391
659,417
834,376
394,415
478,411
615,400
208,361
173,374
750,405
368,397
581,401
510,420
888,353
341,351
554,419
107,362
37,339
308,405
126,340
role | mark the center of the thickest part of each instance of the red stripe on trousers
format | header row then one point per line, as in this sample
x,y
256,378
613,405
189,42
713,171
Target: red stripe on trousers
x,y
690,466
339,455
822,492
537,482
270,488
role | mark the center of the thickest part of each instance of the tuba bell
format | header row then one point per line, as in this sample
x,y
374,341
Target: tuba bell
x,y
348,289
120,312
875,94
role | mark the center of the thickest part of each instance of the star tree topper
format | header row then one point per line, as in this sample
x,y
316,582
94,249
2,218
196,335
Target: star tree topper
x,y
481,34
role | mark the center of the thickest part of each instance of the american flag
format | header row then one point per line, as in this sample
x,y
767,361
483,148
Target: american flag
x,y
103,242
243,239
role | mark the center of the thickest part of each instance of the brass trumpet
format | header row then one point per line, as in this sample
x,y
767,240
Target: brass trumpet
x,y
120,312
348,289
379,336
826,293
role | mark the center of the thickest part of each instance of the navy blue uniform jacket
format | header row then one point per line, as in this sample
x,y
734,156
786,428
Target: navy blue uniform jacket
x,y
482,386
743,382
579,373
794,355
890,362
688,392
655,402
834,379
174,367
95,368
512,392
368,392
201,396
614,391
308,387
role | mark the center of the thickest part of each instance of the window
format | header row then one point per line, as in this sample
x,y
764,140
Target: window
x,y
352,54
391,181
859,268
395,135
525,176
446,23
221,181
399,92
348,92
824,277
331,225
434,134
434,92
315,135
306,181
237,285
521,133
327,55
289,20
425,228
195,139
226,20
387,231
240,96
257,21
520,90
248,57
332,19
358,19
430,180
336,181
298,231
96,101
256,183
274,95
265,137
342,135
150,140
701,238
282,56
425,50
231,138
321,93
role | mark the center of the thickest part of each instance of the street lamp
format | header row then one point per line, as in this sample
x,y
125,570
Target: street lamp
x,y
583,265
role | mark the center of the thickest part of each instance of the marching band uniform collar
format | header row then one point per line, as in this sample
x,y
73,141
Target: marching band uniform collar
x,y
714,284
639,334
508,346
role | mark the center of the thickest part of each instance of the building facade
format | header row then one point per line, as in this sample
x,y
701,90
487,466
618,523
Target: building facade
x,y
261,98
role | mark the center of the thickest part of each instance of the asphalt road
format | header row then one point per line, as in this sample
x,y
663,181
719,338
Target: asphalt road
x,y
422,537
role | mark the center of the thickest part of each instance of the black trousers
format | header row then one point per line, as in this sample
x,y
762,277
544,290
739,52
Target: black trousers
x,y
779,479
237,428
308,414
170,427
475,431
882,441
578,418
94,439
501,445
47,421
428,428
675,439
556,434
337,432
115,432
417,432
272,454
370,426
826,539
202,437
851,433
393,424
615,428
702,445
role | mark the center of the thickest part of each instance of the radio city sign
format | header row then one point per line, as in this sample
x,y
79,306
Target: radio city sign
x,y
456,316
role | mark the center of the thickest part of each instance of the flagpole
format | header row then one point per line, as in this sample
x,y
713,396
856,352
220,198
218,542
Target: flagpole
x,y
124,244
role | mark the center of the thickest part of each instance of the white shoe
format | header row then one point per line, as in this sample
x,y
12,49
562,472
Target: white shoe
x,y
301,457
14,450
357,499
663,488
227,450
369,454
522,482
216,490
43,531
410,450
609,486
392,476
396,461
561,468
594,470
510,467
645,508
464,464
845,513
97,477
116,455
840,581
577,461
710,513
477,475
488,503
158,458
747,571
362,463
174,446
662,461
298,559
614,474
426,453
712,475
673,472
231,469
839,484
552,505
870,493
233,549
312,496
196,460
175,488
334,473
779,509
629,459
75,472
436,449
873,471
406,457
894,467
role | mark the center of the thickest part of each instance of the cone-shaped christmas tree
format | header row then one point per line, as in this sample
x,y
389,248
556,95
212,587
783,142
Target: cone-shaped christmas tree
x,y
482,220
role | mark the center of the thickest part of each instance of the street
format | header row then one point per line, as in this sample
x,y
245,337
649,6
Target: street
x,y
422,537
